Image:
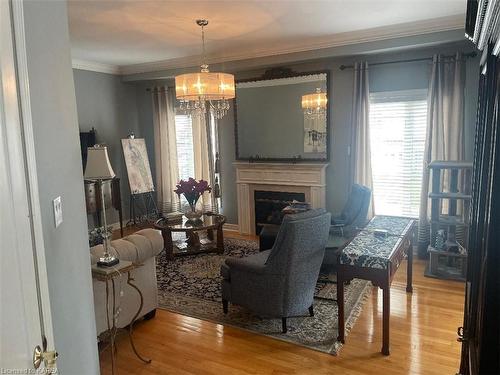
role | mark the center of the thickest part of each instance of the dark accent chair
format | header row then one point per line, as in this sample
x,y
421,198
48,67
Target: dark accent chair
x,y
345,226
280,283
267,236
355,210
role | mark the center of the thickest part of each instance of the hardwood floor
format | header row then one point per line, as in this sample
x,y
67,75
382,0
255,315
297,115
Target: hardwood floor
x,y
423,340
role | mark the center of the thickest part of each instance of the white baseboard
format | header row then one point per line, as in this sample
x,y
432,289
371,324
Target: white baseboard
x,y
231,227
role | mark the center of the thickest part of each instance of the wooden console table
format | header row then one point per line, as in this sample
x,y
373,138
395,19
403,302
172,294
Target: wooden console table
x,y
377,259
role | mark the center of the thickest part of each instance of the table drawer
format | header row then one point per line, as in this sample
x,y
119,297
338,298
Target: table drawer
x,y
399,255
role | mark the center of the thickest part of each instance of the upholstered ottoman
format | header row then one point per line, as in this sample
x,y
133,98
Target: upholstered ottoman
x,y
141,247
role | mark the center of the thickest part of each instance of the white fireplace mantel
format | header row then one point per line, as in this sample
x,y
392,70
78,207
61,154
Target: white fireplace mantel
x,y
307,178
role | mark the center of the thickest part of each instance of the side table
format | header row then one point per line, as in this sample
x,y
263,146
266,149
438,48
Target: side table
x,y
108,276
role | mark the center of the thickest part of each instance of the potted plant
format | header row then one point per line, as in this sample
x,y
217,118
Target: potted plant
x,y
192,191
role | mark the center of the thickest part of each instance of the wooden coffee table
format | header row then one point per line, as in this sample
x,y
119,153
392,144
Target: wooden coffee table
x,y
202,236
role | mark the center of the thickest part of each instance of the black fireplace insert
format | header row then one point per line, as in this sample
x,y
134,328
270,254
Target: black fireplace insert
x,y
269,204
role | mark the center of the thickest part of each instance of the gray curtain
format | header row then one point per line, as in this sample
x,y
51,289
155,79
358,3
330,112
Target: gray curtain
x,y
167,174
361,166
445,129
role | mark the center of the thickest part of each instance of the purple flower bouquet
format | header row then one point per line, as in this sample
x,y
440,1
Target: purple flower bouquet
x,y
192,191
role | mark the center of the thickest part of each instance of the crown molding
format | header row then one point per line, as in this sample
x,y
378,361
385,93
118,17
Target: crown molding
x,y
336,40
96,67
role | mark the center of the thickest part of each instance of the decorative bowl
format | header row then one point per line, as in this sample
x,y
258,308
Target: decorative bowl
x,y
193,215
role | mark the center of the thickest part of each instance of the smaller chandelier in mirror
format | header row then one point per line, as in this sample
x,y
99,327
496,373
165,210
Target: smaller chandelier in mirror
x,y
199,92
314,108
314,105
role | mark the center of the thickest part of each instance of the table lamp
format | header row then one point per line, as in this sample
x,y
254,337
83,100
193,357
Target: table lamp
x,y
99,169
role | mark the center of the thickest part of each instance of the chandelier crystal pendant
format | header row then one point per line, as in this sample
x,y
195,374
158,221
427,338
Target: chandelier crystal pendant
x,y
314,105
199,92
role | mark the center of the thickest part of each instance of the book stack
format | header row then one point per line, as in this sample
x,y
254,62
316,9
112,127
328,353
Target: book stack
x,y
174,216
296,207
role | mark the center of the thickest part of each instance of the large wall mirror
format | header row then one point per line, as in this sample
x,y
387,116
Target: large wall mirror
x,y
282,117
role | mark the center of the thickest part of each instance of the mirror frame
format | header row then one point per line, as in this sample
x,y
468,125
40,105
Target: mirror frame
x,y
277,73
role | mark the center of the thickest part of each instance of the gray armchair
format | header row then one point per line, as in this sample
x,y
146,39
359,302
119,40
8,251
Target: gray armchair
x,y
280,282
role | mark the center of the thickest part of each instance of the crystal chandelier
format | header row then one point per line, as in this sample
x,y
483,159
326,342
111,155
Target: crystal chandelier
x,y
198,92
314,105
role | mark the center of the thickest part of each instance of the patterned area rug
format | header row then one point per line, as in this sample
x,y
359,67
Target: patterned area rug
x,y
191,285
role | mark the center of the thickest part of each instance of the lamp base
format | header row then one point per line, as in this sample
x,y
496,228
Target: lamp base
x,y
108,261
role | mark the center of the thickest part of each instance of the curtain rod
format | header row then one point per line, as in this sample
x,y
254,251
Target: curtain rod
x,y
152,88
466,55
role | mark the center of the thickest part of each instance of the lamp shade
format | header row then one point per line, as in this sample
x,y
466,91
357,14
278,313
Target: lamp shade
x,y
205,86
98,166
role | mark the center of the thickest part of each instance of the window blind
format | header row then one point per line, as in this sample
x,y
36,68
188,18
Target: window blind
x,y
398,122
184,140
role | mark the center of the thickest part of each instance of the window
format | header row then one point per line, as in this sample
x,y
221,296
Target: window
x,y
184,140
398,122
185,150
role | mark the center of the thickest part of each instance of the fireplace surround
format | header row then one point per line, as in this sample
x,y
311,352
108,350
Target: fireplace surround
x,y
308,179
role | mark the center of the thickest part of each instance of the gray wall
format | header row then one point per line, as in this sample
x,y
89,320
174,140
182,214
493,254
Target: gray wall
x,y
145,118
403,76
108,105
59,170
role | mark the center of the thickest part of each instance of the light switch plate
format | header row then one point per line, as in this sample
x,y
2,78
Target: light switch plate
x,y
58,217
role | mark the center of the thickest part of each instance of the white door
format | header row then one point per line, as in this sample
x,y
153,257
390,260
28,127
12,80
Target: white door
x,y
25,318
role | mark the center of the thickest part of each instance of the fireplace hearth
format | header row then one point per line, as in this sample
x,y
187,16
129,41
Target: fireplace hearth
x,y
269,204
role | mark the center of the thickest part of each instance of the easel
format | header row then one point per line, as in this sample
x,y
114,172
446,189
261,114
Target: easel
x,y
143,208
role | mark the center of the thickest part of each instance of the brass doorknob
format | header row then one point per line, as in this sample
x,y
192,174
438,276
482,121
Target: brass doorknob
x,y
49,358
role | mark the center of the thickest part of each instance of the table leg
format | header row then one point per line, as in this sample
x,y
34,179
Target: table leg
x,y
409,269
340,304
130,280
120,217
386,306
210,234
193,239
220,239
114,328
111,338
168,243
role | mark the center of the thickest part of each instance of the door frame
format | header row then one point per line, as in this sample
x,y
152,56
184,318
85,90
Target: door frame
x,y
479,336
23,182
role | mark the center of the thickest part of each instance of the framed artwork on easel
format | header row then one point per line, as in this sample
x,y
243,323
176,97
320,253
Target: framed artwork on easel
x,y
142,204
137,162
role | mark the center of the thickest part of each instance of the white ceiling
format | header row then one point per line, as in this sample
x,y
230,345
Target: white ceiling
x,y
121,33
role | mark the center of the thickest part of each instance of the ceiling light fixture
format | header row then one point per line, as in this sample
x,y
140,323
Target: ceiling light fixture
x,y
198,92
